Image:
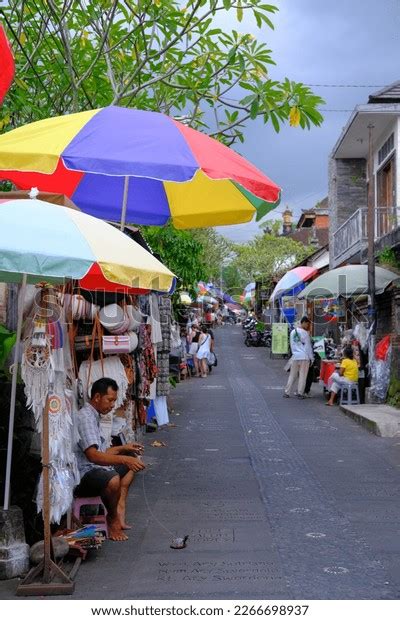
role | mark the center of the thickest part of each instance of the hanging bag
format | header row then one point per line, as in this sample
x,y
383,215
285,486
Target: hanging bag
x,y
116,344
194,347
212,359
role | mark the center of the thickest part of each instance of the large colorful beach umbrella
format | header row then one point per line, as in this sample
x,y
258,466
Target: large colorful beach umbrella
x,y
52,243
7,65
136,166
292,280
249,292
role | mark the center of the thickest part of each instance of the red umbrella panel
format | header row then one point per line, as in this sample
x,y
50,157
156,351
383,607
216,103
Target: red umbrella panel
x,y
7,65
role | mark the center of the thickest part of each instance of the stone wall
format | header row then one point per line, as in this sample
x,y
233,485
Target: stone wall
x,y
347,192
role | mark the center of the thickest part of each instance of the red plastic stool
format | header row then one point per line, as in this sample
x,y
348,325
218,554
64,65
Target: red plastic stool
x,y
99,520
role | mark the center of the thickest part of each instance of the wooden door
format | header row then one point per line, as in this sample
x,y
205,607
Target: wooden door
x,y
386,218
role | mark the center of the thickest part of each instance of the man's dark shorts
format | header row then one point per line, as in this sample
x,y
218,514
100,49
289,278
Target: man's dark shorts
x,y
94,482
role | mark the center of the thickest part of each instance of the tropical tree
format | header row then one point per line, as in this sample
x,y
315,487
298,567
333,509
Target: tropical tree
x,y
271,227
179,251
216,251
267,256
165,55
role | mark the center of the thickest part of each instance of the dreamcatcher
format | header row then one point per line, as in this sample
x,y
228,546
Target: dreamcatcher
x,y
36,373
62,483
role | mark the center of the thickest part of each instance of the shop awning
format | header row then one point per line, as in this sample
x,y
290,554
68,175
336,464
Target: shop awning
x,y
348,281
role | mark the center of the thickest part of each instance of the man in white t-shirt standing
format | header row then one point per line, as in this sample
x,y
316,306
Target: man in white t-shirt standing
x,y
302,356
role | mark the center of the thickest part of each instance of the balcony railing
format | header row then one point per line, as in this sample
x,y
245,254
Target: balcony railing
x,y
352,236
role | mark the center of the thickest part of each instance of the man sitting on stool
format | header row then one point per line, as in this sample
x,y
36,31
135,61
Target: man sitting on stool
x,y
107,472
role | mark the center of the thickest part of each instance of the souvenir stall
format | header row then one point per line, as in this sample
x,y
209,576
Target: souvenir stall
x,y
54,243
333,295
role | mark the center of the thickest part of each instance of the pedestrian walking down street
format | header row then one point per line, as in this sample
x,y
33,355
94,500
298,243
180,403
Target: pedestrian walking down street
x,y
204,350
302,356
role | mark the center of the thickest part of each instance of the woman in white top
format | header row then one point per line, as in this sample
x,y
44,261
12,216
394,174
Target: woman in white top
x,y
204,350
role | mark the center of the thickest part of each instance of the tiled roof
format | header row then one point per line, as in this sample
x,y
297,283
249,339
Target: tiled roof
x,y
304,236
389,94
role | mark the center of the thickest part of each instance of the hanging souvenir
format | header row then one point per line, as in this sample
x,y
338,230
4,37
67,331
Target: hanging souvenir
x,y
39,334
36,373
112,367
62,482
55,333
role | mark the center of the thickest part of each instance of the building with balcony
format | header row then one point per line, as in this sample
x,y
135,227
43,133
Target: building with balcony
x,y
348,179
347,200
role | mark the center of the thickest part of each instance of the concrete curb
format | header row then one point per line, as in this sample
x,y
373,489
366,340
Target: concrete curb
x,y
382,420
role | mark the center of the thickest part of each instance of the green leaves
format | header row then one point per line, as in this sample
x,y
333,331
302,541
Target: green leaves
x,y
268,255
179,251
192,255
239,10
161,55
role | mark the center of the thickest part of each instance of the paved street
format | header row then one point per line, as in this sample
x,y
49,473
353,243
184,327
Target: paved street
x,y
280,498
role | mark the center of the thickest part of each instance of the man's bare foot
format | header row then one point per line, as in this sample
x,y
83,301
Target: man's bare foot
x,y
123,523
115,531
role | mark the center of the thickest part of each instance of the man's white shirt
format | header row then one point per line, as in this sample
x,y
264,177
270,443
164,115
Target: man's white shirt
x,y
300,345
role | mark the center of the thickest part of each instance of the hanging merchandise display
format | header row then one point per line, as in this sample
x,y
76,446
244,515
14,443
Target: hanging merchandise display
x,y
90,371
147,362
161,410
46,386
380,364
156,333
163,349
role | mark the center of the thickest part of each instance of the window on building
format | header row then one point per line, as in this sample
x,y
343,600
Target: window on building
x,y
386,149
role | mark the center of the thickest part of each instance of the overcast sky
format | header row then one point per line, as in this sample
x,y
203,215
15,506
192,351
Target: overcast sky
x,y
354,42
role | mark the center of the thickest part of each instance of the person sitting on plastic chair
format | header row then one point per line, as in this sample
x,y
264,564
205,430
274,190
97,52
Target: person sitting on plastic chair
x,y
107,472
347,374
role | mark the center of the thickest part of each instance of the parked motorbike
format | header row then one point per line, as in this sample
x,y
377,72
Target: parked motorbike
x,y
252,338
266,339
230,320
249,323
255,338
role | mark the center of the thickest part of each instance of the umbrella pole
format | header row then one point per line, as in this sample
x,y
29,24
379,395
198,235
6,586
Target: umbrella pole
x,y
371,237
47,578
14,393
124,203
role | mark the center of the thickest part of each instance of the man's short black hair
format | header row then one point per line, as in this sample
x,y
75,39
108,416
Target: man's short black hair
x,y
101,386
305,319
